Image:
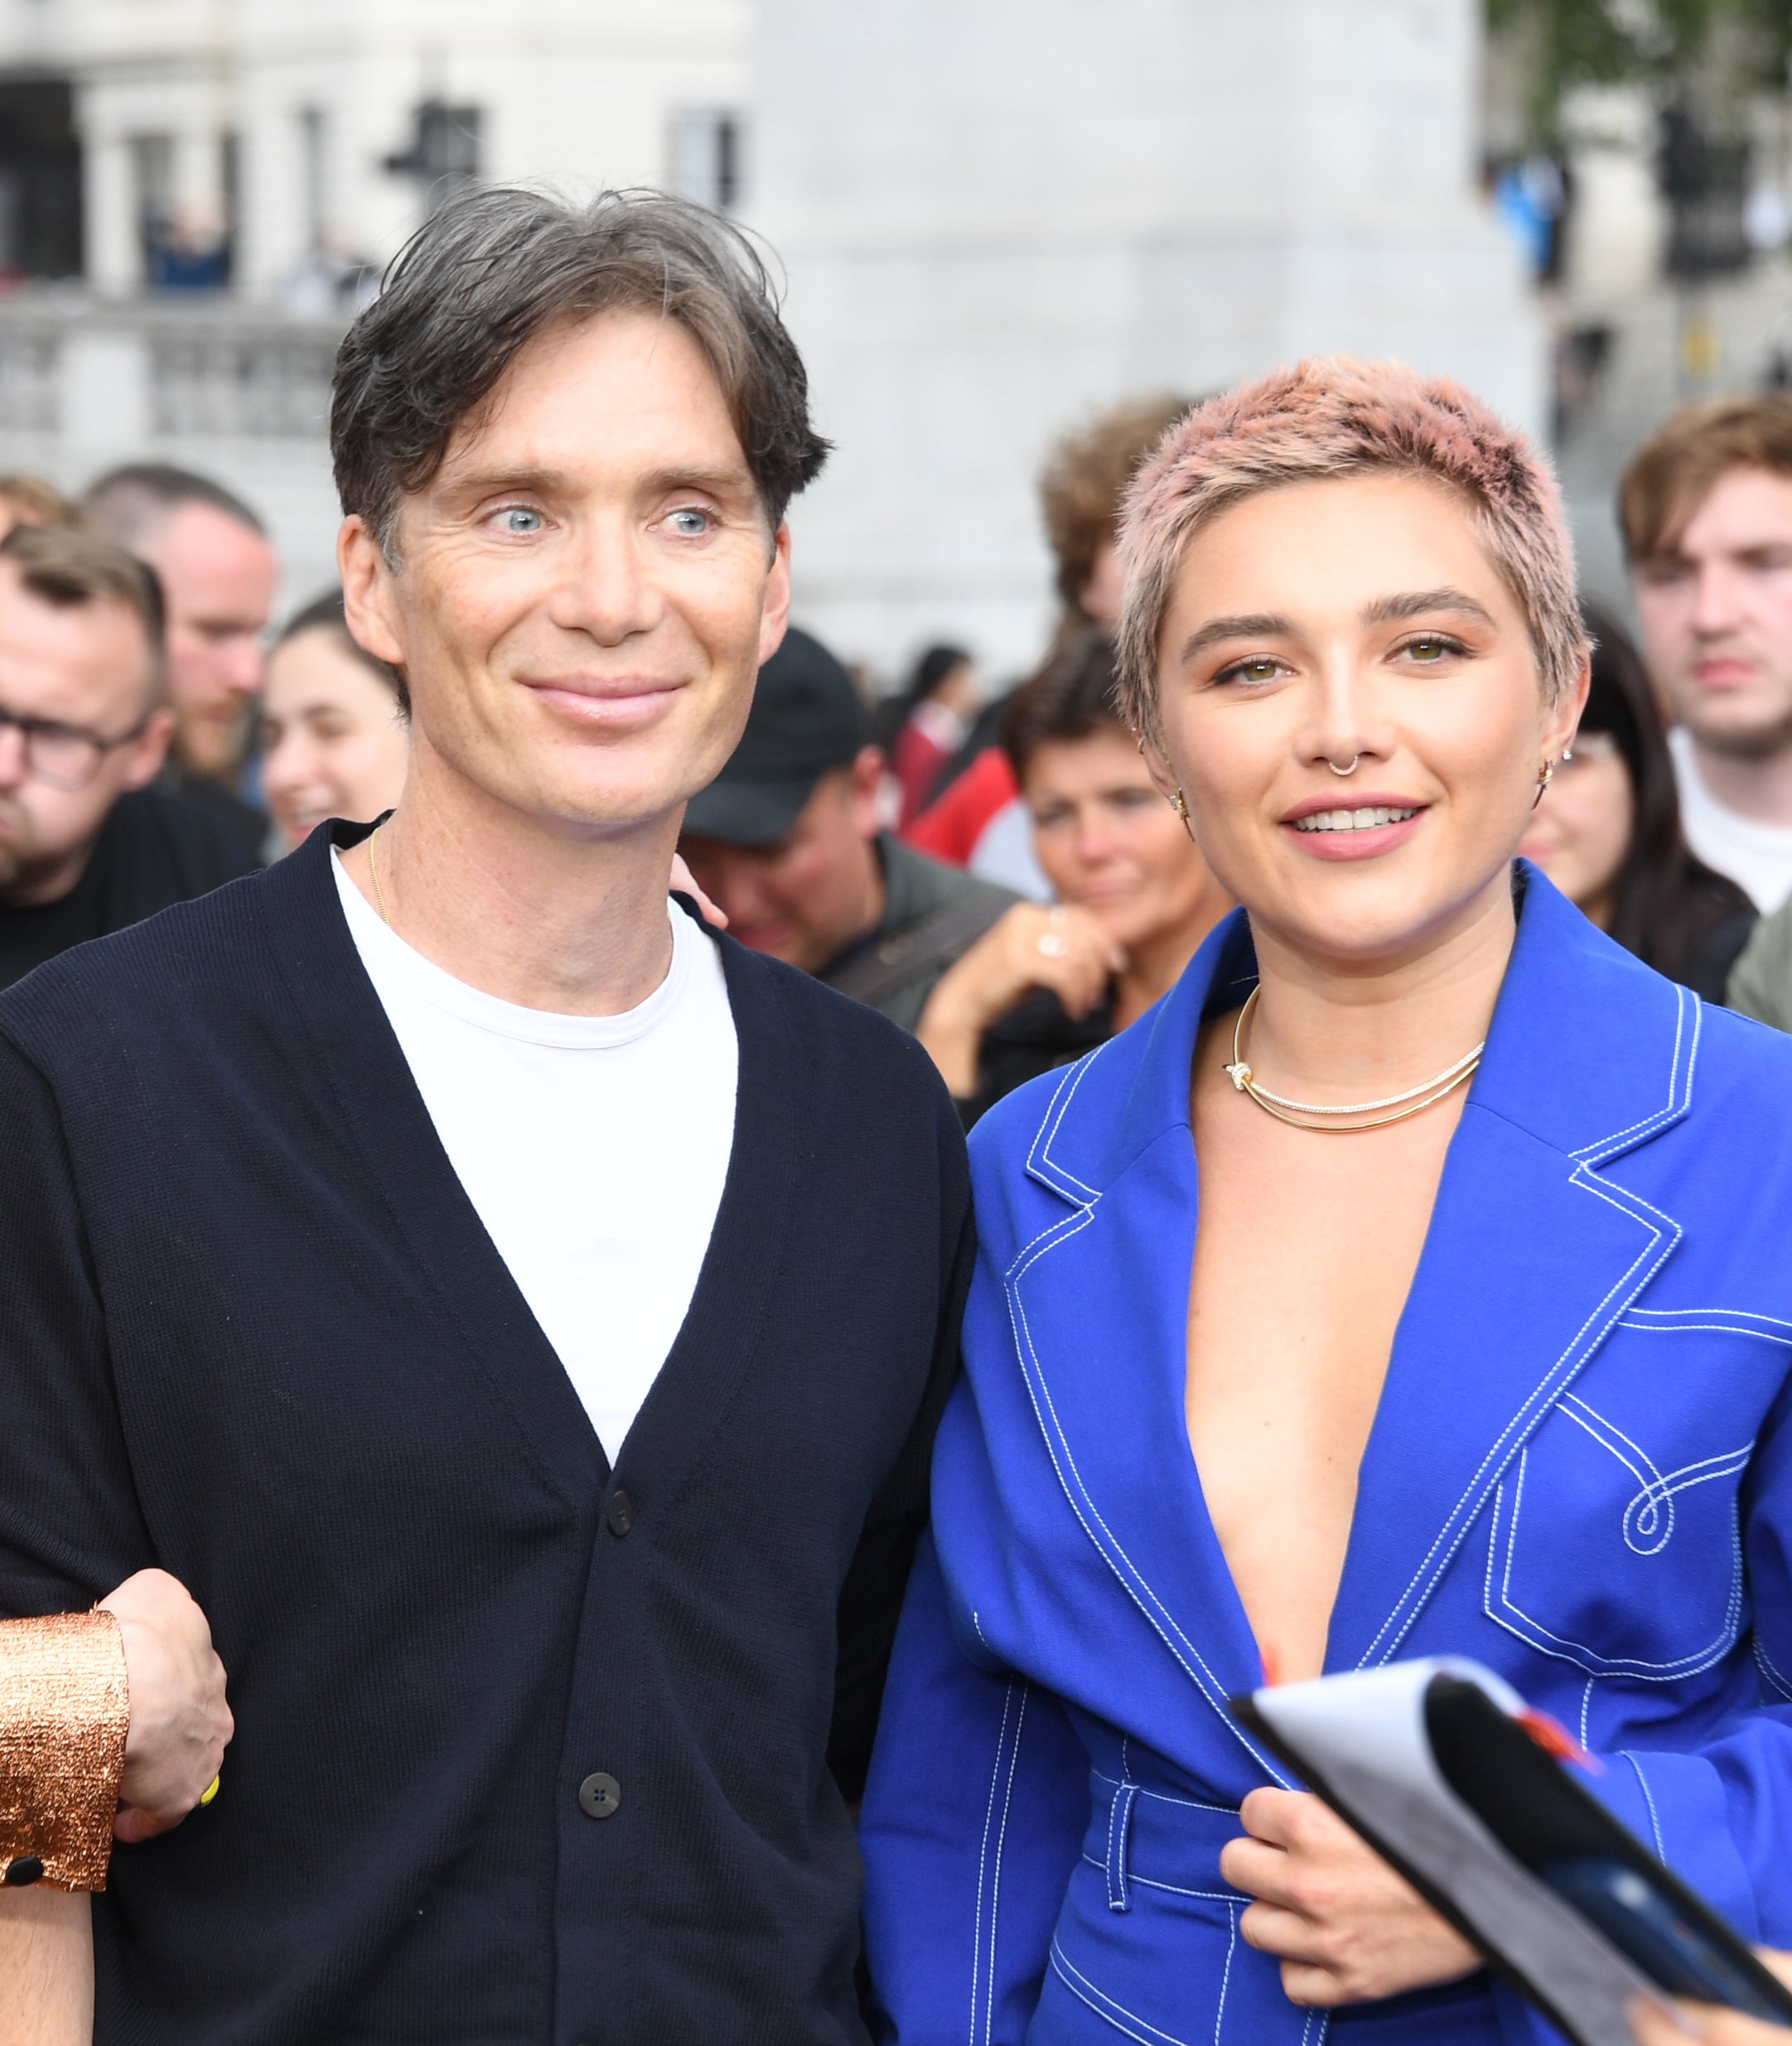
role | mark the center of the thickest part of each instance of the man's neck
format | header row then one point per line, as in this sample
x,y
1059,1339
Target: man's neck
x,y
1758,789
520,907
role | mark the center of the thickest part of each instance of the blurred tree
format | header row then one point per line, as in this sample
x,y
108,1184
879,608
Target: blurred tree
x,y
1732,47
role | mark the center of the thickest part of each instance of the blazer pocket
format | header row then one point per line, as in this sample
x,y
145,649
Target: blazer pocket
x,y
1620,1560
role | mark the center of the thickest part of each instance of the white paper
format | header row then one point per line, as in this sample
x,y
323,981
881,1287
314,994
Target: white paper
x,y
1364,1735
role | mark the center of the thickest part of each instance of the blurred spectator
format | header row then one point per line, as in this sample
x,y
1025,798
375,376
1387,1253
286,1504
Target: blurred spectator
x,y
218,576
1135,897
27,500
1707,512
1607,831
976,819
86,847
336,739
932,718
786,840
1082,488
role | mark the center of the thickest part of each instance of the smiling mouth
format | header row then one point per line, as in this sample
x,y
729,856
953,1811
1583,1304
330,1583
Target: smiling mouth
x,y
1354,820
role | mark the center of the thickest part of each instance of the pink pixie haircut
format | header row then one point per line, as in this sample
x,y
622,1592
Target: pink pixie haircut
x,y
1336,416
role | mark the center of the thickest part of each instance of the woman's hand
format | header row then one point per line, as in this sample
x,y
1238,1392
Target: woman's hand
x,y
685,883
1652,2027
1064,949
1346,1928
180,1722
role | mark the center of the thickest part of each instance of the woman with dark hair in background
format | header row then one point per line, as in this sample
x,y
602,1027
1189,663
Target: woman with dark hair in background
x,y
337,741
927,724
1607,831
1135,897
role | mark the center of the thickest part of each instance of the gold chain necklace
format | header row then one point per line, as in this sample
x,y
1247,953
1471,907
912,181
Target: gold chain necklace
x,y
380,893
1413,1101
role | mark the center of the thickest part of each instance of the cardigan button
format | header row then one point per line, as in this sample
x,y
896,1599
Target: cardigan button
x,y
600,1796
26,1869
620,1515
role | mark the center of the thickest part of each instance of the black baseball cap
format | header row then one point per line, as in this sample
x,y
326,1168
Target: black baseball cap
x,y
807,719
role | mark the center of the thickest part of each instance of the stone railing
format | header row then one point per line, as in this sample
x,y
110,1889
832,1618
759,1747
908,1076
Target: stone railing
x,y
82,371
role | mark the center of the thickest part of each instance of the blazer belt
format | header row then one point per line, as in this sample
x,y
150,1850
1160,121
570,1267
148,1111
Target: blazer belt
x,y
1141,1836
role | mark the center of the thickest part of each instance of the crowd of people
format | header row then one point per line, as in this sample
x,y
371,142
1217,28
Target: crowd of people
x,y
548,1339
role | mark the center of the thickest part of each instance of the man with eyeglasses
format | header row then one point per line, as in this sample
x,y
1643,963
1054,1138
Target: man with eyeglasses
x,y
86,845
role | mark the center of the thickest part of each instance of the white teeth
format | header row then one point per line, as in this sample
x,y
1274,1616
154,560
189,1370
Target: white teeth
x,y
1352,820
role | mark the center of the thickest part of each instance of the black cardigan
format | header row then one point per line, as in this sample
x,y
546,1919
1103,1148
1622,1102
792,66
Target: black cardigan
x,y
251,1330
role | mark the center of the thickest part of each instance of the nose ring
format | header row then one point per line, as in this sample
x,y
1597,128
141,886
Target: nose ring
x,y
1350,769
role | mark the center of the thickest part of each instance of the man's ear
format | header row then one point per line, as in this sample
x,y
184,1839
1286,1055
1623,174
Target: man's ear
x,y
370,601
149,749
775,613
865,780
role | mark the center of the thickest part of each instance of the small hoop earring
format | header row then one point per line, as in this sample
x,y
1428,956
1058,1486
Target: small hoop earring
x,y
1179,803
1544,780
1350,769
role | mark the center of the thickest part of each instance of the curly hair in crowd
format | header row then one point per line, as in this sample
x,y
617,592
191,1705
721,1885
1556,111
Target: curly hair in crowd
x,y
1085,481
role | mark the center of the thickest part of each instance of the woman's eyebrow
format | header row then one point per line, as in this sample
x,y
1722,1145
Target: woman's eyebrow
x,y
1390,610
1255,625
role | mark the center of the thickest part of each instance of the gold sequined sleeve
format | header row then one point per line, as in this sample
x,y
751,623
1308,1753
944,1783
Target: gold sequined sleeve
x,y
64,1710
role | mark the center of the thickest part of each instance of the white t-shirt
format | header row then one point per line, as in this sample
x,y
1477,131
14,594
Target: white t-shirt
x,y
1756,856
594,1148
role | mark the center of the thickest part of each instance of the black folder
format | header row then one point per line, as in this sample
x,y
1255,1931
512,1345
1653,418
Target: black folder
x,y
1440,1768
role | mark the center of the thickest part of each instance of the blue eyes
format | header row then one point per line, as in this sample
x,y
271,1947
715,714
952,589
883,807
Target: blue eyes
x,y
522,522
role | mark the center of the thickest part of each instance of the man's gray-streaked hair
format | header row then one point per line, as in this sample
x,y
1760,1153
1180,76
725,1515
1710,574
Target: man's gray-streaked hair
x,y
491,271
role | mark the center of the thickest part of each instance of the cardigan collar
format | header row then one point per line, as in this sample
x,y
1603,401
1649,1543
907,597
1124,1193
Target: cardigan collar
x,y
365,1072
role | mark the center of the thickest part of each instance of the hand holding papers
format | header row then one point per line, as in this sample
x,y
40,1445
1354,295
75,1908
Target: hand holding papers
x,y
1436,1764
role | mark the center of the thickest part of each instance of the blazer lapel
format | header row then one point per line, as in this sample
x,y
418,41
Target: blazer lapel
x,y
1099,1308
1535,1251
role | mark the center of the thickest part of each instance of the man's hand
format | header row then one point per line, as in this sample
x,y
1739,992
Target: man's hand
x,y
180,1723
1652,2027
1344,1927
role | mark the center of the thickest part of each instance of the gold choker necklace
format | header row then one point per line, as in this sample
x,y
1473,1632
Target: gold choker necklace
x,y
1412,1101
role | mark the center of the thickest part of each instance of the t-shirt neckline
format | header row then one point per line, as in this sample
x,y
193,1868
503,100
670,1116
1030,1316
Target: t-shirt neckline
x,y
380,945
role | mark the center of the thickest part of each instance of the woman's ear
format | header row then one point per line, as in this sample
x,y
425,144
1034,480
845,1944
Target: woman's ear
x,y
1163,774
1564,719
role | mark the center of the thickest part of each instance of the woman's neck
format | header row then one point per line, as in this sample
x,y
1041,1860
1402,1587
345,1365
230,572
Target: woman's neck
x,y
1332,1030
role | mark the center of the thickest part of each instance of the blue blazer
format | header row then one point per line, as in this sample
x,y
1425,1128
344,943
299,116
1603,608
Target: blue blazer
x,y
1580,1473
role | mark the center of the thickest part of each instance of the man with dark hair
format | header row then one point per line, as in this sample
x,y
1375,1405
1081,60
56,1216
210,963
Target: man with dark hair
x,y
86,845
521,1316
1706,508
218,576
788,840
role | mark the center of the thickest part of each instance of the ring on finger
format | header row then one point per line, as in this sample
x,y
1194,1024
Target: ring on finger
x,y
1051,944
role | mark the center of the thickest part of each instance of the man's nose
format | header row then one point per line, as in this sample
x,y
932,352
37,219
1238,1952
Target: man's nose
x,y
13,770
242,671
1714,594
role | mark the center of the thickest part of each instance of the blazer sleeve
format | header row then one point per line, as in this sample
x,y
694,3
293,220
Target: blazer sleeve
x,y
70,1527
974,1820
1720,1814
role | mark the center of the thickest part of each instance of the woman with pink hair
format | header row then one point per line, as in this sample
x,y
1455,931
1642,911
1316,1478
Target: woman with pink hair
x,y
1411,1280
